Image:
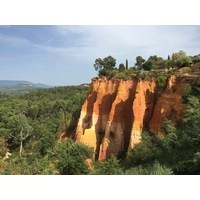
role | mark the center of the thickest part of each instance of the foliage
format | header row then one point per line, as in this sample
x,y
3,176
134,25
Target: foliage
x,y
121,67
41,116
139,62
161,83
155,169
170,72
177,60
33,165
142,74
148,65
110,166
195,59
72,157
122,76
180,59
2,148
46,142
108,73
153,62
19,130
186,70
187,89
103,66
192,111
126,64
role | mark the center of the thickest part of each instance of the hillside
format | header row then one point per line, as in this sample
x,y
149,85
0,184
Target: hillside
x,y
17,87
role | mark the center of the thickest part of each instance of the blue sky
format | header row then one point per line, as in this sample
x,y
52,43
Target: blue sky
x,y
64,55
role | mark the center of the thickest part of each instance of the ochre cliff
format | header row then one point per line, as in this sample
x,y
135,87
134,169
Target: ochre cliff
x,y
168,105
116,112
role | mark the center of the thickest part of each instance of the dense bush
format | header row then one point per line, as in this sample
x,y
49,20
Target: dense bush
x,y
154,169
72,157
122,76
161,83
110,166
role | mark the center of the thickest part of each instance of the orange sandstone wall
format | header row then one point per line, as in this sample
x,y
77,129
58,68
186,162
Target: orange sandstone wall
x,y
168,105
115,113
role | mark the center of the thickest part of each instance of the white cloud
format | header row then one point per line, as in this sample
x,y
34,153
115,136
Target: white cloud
x,y
12,40
81,45
128,41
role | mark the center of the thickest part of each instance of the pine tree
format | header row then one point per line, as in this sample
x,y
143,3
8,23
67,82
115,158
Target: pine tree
x,y
126,64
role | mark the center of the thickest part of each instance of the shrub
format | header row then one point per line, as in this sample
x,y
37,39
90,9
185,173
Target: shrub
x,y
186,70
187,89
170,72
144,152
155,169
72,157
155,72
122,76
143,74
110,166
161,83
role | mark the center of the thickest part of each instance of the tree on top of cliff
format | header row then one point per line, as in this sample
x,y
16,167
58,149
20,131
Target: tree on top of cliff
x,y
107,63
139,62
104,66
180,59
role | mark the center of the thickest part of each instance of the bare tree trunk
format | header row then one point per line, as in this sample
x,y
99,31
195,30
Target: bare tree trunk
x,y
21,147
21,141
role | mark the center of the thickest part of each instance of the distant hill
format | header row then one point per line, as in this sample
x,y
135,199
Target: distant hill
x,y
17,86
17,82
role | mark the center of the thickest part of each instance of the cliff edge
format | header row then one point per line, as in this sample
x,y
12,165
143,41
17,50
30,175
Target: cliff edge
x,y
116,112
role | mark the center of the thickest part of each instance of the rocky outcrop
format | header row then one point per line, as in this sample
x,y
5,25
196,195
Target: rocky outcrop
x,y
116,112
168,105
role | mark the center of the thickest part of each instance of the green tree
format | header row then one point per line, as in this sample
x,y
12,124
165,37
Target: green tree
x,y
110,166
169,127
180,59
71,157
187,89
161,83
161,63
99,64
46,141
148,65
126,64
107,63
121,67
144,152
154,169
139,62
19,130
154,62
195,59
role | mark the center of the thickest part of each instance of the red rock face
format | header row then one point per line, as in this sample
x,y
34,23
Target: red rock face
x,y
168,105
143,106
116,112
